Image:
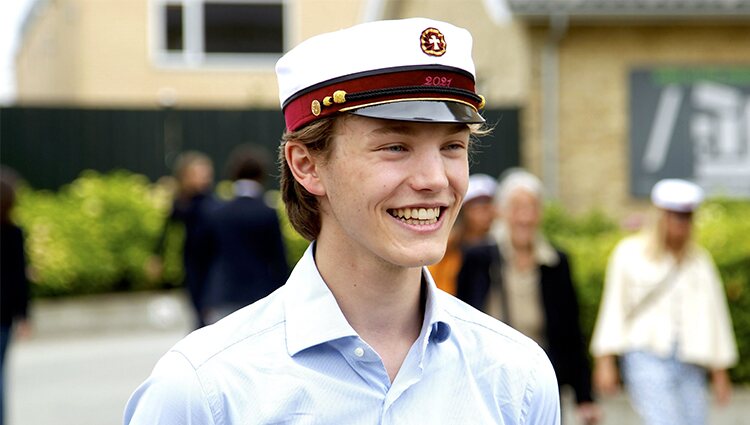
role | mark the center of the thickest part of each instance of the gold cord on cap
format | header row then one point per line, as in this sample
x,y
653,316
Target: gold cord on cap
x,y
339,96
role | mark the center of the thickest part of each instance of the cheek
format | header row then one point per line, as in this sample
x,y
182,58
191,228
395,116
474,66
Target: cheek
x,y
679,228
488,214
457,172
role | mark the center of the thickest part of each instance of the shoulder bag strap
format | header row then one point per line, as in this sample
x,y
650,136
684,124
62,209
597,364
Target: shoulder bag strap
x,y
650,297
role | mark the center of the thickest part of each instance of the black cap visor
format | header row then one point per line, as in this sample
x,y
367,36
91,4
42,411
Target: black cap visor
x,y
422,111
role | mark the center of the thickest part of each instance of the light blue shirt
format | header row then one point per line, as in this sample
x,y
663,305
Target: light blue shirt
x,y
292,358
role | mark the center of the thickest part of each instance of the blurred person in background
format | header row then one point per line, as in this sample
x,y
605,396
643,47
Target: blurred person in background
x,y
14,286
193,202
249,259
471,228
664,312
524,281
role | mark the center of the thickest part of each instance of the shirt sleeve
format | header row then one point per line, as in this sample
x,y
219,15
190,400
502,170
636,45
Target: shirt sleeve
x,y
543,398
172,395
725,353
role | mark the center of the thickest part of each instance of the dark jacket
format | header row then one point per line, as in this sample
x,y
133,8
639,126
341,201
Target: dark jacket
x,y
565,345
249,259
14,287
193,214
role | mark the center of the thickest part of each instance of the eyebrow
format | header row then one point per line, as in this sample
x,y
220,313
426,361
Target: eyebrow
x,y
409,130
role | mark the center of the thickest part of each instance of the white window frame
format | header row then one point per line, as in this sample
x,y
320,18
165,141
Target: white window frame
x,y
193,54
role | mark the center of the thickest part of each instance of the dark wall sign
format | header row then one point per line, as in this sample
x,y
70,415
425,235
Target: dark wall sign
x,y
692,123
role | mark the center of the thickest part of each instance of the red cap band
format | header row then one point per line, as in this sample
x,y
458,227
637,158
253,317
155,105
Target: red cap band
x,y
383,86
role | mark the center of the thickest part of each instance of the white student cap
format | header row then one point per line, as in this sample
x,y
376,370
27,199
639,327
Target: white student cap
x,y
677,195
410,70
480,185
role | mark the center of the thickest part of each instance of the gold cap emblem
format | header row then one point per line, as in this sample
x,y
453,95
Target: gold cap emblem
x,y
432,42
315,107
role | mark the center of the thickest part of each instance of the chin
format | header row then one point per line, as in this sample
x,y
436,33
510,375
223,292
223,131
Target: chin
x,y
421,257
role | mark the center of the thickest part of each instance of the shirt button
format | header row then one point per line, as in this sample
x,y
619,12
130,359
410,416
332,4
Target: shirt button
x,y
359,351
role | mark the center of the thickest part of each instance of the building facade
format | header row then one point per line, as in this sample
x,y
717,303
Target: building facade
x,y
625,93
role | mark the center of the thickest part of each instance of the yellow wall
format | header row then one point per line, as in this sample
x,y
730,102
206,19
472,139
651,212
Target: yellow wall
x,y
96,53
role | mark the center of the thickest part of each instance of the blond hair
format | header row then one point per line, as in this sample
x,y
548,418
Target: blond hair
x,y
655,234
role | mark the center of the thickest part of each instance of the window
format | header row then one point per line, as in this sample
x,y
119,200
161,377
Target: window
x,y
205,32
173,28
242,28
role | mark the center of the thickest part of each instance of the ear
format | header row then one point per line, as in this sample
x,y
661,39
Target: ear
x,y
304,167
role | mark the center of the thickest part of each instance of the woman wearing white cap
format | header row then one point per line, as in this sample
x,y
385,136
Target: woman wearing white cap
x,y
374,166
664,312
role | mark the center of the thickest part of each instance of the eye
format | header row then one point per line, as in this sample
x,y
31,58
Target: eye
x,y
456,146
394,148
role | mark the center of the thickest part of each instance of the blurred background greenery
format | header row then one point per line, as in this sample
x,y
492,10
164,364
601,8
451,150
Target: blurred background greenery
x,y
95,235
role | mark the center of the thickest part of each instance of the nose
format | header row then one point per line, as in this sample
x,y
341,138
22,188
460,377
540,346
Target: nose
x,y
429,171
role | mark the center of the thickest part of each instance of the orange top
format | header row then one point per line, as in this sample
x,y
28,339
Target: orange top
x,y
445,273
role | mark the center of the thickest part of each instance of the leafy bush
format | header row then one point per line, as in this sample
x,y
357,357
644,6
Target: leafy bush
x,y
724,230
93,235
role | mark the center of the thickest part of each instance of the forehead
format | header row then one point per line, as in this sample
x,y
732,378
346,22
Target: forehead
x,y
375,127
521,196
679,215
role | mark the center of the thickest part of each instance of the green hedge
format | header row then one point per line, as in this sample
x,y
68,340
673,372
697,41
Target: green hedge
x,y
95,235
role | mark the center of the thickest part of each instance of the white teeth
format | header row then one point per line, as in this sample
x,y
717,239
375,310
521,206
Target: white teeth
x,y
417,215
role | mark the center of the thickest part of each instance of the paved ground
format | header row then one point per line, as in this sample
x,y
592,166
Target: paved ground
x,y
87,355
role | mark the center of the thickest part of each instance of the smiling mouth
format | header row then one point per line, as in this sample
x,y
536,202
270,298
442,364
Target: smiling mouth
x,y
417,216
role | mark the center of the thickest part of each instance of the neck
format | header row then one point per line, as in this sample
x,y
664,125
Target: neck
x,y
373,295
522,248
382,302
676,248
523,255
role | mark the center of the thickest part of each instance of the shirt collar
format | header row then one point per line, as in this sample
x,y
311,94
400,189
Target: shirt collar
x,y
313,316
435,326
248,188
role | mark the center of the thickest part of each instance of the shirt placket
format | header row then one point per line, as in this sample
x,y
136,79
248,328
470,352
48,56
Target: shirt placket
x,y
408,375
365,362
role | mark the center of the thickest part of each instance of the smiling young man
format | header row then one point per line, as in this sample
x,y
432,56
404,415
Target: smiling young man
x,y
374,167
